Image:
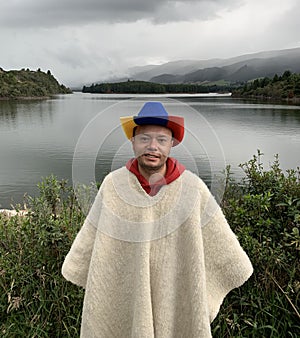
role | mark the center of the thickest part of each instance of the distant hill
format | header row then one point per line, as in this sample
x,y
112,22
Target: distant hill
x,y
27,83
238,69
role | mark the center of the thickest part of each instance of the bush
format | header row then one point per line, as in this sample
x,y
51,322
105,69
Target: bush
x,y
264,212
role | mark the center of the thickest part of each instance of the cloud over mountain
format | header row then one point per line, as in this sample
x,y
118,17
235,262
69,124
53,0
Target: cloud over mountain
x,y
241,68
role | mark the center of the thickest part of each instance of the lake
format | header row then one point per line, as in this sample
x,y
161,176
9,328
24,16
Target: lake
x,y
78,137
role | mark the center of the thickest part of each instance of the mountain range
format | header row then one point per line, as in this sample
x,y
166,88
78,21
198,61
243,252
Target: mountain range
x,y
237,69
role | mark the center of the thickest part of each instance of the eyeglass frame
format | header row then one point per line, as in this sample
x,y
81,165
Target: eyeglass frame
x,y
162,140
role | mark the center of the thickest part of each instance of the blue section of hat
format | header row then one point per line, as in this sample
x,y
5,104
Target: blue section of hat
x,y
153,109
156,120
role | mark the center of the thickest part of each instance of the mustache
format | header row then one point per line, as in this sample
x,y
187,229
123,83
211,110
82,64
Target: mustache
x,y
151,154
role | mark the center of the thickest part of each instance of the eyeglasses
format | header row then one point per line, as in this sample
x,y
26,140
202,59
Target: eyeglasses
x,y
147,139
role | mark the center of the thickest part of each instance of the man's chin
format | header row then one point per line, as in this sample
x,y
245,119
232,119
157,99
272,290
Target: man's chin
x,y
151,166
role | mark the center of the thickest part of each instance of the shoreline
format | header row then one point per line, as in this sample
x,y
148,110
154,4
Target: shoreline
x,y
294,100
24,98
28,98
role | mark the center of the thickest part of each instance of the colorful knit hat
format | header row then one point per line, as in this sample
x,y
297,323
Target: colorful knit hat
x,y
154,113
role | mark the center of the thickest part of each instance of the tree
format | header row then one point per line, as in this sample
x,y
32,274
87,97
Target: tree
x,y
286,75
264,82
255,84
275,78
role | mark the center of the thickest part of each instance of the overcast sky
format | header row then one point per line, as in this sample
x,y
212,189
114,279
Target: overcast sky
x,y
83,41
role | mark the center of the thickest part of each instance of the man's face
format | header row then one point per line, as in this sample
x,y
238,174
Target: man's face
x,y
152,145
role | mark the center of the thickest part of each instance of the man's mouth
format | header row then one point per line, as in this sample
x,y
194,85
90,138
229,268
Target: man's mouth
x,y
151,155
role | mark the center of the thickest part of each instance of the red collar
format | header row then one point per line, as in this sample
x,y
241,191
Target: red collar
x,y
174,170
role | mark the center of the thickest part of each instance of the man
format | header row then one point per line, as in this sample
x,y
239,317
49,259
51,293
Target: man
x,y
155,254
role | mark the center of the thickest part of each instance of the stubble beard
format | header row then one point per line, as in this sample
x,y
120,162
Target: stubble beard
x,y
150,169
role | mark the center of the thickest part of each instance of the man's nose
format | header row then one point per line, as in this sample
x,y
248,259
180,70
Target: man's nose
x,y
153,144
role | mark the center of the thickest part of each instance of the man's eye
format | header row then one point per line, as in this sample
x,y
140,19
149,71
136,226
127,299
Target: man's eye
x,y
145,139
162,140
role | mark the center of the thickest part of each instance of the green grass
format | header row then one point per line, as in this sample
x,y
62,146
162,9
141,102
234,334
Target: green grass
x,y
35,300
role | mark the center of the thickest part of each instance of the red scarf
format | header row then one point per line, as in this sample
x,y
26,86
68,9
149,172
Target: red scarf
x,y
174,170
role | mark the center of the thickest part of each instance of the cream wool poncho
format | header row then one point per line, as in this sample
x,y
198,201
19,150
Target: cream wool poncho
x,y
155,266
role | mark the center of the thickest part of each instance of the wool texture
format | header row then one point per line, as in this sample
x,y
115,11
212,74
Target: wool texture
x,y
154,266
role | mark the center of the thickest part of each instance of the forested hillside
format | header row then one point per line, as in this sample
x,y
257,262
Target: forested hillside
x,y
144,87
284,87
28,83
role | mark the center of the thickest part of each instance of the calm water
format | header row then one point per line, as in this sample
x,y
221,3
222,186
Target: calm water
x,y
78,137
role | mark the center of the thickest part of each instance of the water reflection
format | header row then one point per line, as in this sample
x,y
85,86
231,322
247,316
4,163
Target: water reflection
x,y
20,114
8,113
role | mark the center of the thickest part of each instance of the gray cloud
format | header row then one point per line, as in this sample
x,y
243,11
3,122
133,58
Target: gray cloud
x,y
39,13
95,40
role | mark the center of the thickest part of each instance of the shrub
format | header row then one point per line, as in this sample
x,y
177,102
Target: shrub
x,y
264,212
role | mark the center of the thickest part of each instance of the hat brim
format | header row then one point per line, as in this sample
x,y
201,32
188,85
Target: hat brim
x,y
174,123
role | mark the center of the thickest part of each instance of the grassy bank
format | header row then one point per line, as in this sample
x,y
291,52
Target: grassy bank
x,y
263,210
